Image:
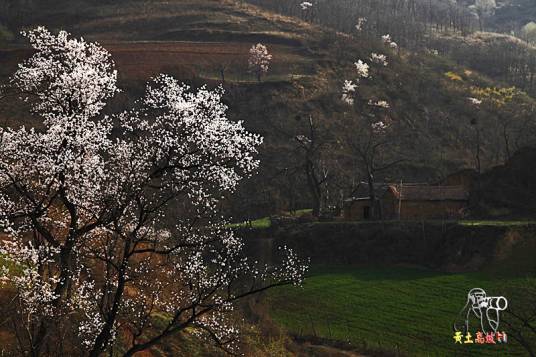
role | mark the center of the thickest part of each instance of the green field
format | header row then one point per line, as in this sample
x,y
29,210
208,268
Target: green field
x,y
265,222
388,308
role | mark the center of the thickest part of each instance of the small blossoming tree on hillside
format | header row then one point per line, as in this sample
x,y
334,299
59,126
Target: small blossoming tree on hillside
x,y
259,60
307,8
306,5
112,220
361,22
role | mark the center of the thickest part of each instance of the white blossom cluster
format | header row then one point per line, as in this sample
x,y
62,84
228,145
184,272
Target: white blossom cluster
x,y
388,41
222,330
348,88
85,300
378,59
67,75
4,275
362,69
379,127
292,269
379,103
474,101
113,218
360,23
36,292
306,5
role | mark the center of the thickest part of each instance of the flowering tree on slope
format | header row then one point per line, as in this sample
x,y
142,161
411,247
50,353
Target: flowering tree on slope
x,y
112,219
259,60
371,134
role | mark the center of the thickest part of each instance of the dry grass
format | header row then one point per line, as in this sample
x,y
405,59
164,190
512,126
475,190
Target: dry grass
x,y
158,20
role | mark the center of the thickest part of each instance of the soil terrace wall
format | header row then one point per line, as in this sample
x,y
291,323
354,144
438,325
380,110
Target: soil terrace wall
x,y
448,247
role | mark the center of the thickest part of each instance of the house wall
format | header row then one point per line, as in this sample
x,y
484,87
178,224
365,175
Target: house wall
x,y
464,179
425,209
409,210
354,211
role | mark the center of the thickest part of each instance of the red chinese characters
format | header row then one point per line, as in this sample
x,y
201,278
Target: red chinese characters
x,y
481,338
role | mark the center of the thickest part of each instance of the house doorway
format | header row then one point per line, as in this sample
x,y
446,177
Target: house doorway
x,y
366,212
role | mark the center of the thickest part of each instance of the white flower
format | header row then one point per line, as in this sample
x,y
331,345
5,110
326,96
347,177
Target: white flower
x,y
306,5
474,101
379,59
348,88
346,98
388,41
360,23
362,69
379,127
380,104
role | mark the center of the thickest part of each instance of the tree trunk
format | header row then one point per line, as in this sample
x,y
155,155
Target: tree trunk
x,y
478,165
105,334
314,188
375,211
507,154
62,291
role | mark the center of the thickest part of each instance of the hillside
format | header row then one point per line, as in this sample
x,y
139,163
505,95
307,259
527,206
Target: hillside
x,y
513,15
180,35
208,42
503,57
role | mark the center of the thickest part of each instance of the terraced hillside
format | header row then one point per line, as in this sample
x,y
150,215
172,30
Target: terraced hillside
x,y
181,20
168,35
207,42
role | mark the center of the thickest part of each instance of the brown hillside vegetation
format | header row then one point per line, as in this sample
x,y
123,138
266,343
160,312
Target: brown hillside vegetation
x,y
509,190
143,60
157,20
198,40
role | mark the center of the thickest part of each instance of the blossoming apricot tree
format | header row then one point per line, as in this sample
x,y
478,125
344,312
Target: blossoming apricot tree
x,y
259,60
111,220
371,132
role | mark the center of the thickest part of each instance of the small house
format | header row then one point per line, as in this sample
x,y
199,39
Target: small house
x,y
409,202
359,207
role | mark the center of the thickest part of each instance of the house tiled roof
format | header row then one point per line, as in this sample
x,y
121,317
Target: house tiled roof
x,y
429,193
362,192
